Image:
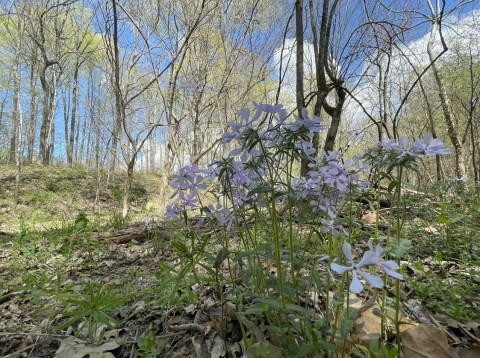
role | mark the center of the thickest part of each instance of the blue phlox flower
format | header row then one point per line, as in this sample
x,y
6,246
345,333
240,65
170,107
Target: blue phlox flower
x,y
189,177
238,129
429,146
189,200
461,179
369,258
269,108
329,226
389,144
306,147
313,123
386,266
173,211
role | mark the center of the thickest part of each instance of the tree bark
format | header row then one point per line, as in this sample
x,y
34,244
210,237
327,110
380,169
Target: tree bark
x,y
71,139
300,93
118,94
32,112
460,169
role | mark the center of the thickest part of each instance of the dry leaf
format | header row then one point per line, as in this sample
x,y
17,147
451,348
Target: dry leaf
x,y
369,218
425,341
431,230
472,352
368,325
200,346
73,347
219,348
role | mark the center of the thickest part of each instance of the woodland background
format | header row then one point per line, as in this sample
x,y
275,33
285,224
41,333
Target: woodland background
x,y
149,85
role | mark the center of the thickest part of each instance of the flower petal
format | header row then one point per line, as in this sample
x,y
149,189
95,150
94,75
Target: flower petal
x,y
369,258
355,286
392,265
392,273
373,280
339,268
347,251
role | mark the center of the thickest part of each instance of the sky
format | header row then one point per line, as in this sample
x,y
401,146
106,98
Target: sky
x,y
458,34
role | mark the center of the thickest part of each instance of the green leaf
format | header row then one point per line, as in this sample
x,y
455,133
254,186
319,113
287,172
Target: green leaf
x,y
259,189
444,220
270,302
398,250
222,255
393,184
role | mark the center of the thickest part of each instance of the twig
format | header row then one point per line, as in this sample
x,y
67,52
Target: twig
x,y
17,353
33,334
132,351
189,327
440,326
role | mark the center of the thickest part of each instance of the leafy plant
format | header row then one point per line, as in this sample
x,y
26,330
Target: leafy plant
x,y
263,202
92,306
147,346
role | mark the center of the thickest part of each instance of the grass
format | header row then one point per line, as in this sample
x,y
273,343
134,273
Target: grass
x,y
52,197
69,277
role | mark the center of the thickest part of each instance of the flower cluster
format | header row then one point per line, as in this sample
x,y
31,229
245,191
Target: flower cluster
x,y
329,180
392,153
258,168
370,257
265,143
187,184
151,223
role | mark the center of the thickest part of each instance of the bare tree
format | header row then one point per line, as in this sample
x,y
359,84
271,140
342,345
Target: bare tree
x,y
125,94
437,15
47,31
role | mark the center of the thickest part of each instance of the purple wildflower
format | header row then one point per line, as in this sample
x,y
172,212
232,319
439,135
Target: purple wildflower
x,y
306,147
189,178
173,211
429,146
385,266
369,258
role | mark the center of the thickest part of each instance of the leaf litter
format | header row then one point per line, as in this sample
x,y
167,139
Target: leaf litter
x,y
207,327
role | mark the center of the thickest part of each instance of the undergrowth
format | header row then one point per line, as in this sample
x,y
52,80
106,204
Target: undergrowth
x,y
279,251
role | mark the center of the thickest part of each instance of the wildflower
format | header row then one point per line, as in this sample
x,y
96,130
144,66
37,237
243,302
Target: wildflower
x,y
306,147
173,211
385,266
389,144
369,258
329,226
239,129
462,179
189,177
429,146
268,108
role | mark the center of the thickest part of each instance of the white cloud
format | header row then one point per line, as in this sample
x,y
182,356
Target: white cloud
x,y
461,34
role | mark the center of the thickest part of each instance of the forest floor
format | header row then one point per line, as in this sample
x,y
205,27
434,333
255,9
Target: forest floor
x,y
77,280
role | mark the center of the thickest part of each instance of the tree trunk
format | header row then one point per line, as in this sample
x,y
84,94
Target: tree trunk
x,y
118,95
336,116
42,152
321,43
82,140
432,128
153,150
66,119
127,189
15,113
460,169
51,131
32,114
71,139
300,93
19,142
